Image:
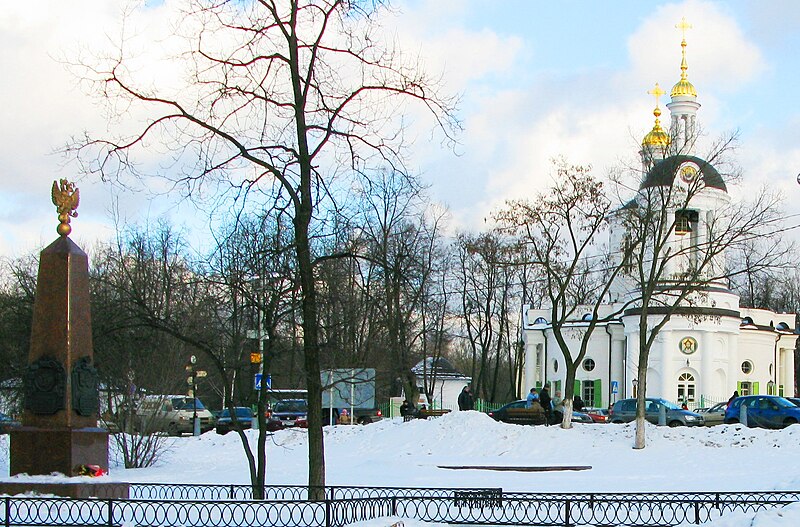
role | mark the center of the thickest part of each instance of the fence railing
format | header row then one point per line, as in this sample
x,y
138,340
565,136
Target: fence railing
x,y
180,505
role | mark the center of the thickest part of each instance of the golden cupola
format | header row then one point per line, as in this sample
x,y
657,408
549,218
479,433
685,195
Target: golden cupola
x,y
683,88
657,137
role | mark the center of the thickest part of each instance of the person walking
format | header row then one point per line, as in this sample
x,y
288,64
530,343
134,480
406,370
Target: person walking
x,y
465,400
734,396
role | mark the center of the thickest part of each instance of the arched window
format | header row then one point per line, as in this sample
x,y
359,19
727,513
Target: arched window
x,y
540,320
686,387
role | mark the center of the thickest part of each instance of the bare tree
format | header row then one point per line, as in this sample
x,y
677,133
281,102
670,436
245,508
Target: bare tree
x,y
563,231
487,287
283,97
679,254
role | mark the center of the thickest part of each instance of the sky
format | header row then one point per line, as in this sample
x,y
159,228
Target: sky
x,y
391,453
537,80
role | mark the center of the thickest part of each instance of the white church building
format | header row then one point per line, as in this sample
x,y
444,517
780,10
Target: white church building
x,y
706,350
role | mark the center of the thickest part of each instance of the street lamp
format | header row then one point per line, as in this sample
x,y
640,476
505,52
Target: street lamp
x,y
635,383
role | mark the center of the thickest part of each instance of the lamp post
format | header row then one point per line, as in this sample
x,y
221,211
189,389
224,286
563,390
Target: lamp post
x,y
192,370
635,383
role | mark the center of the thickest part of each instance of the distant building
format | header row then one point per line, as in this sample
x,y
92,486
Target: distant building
x,y
706,350
447,382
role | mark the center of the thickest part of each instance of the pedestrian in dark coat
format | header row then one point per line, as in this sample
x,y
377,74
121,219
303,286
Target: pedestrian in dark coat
x,y
407,410
465,400
577,403
546,401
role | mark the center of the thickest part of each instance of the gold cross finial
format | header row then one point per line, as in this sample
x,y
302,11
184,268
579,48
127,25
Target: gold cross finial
x,y
683,25
657,92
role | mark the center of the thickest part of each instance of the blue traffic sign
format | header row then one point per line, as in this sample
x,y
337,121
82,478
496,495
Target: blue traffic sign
x,y
268,381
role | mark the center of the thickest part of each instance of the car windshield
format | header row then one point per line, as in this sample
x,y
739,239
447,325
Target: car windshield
x,y
293,405
187,404
668,404
783,403
241,412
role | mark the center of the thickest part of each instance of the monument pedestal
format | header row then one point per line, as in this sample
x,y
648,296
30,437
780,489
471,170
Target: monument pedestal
x,y
37,450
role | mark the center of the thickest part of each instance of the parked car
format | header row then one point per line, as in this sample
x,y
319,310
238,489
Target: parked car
x,y
8,423
714,415
517,413
598,415
794,400
624,411
288,413
244,419
173,414
765,411
361,416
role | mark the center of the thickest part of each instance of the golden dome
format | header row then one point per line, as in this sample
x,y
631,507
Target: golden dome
x,y
683,87
657,136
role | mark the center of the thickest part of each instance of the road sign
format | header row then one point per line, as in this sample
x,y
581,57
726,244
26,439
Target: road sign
x,y
614,386
267,382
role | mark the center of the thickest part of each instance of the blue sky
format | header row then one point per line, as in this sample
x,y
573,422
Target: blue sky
x,y
538,80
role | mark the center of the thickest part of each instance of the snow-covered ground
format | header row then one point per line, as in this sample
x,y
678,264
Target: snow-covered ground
x,y
394,453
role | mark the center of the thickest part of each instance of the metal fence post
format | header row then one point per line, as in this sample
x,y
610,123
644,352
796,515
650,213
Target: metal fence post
x,y
110,513
566,513
394,505
696,512
8,511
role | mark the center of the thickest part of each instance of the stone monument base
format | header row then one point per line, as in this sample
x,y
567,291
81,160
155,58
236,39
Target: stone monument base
x,y
42,451
67,489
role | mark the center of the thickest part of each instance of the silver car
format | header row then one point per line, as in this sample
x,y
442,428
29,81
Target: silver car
x,y
714,415
624,411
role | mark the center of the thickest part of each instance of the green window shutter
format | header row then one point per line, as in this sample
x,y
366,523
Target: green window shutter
x,y
558,387
577,389
780,390
755,388
598,394
538,385
739,387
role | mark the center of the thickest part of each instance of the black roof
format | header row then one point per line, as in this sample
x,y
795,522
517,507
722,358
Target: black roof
x,y
663,172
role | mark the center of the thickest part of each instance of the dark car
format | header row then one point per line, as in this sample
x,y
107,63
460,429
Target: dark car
x,y
624,411
765,411
288,413
244,420
517,413
7,423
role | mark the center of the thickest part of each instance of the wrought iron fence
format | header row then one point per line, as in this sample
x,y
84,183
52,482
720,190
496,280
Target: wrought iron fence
x,y
454,506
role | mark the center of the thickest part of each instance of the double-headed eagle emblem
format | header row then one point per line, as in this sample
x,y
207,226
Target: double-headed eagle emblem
x,y
66,199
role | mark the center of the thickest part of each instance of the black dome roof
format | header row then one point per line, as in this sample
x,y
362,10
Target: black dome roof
x,y
663,173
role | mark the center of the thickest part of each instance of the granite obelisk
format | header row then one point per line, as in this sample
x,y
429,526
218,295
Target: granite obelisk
x,y
59,430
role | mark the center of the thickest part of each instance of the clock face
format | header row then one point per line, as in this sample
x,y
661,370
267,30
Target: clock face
x,y
688,172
